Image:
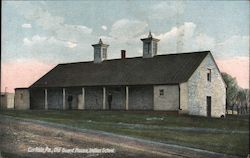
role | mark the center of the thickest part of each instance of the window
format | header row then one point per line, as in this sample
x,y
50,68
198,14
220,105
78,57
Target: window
x,y
209,75
97,54
154,48
148,45
104,52
161,92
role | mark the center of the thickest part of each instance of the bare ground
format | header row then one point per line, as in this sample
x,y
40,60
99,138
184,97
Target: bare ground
x,y
16,136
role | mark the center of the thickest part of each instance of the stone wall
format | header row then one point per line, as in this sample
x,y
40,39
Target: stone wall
x,y
199,88
140,98
22,99
118,98
166,97
76,93
55,98
37,98
93,98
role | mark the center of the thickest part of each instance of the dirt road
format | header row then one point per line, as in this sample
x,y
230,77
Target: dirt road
x,y
18,136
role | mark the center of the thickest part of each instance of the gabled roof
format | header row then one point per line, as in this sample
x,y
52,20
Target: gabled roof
x,y
161,69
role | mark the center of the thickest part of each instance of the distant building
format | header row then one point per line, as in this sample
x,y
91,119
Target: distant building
x,y
188,83
7,100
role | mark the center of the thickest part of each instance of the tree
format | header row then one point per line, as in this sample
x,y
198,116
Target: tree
x,y
247,99
232,88
236,96
243,99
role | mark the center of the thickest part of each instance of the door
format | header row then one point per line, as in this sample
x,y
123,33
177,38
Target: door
x,y
209,100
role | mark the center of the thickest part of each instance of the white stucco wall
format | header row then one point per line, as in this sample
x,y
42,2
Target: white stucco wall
x,y
184,97
168,101
198,88
7,101
22,99
80,104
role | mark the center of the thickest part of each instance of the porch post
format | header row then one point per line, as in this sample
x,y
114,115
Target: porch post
x,y
64,100
46,99
104,98
83,98
126,101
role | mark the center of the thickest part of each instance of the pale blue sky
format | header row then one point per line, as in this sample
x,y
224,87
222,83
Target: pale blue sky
x,y
218,20
53,32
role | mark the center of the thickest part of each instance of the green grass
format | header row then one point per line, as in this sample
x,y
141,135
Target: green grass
x,y
11,155
155,126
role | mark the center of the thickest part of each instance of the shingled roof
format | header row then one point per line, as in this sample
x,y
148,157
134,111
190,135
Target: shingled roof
x,y
161,69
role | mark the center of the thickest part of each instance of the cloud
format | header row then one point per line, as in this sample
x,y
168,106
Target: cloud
x,y
62,39
74,33
125,28
237,67
184,38
104,27
125,34
52,24
233,46
22,73
54,50
34,40
66,42
166,10
26,26
37,39
46,20
204,42
71,44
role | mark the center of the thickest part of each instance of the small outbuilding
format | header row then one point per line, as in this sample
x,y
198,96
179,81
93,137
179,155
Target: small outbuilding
x,y
7,100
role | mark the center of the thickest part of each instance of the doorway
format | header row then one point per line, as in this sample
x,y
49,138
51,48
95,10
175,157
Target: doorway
x,y
209,102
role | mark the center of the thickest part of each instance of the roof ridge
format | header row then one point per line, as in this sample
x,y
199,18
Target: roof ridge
x,y
137,57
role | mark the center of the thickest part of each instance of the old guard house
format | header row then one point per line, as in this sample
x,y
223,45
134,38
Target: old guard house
x,y
188,83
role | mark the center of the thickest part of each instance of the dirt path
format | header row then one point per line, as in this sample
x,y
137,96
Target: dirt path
x,y
17,135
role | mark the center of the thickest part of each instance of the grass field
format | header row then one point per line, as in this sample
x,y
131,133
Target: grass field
x,y
229,135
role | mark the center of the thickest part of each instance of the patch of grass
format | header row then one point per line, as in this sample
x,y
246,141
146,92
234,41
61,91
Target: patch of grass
x,y
143,125
11,155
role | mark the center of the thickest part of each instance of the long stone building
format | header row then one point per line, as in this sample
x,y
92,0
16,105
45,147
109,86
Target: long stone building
x,y
188,83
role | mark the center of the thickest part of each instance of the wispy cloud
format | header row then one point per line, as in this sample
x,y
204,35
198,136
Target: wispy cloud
x,y
125,34
166,10
125,28
184,38
26,26
71,44
53,24
104,27
233,46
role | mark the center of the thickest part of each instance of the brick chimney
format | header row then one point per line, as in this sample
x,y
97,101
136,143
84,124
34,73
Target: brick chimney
x,y
123,54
